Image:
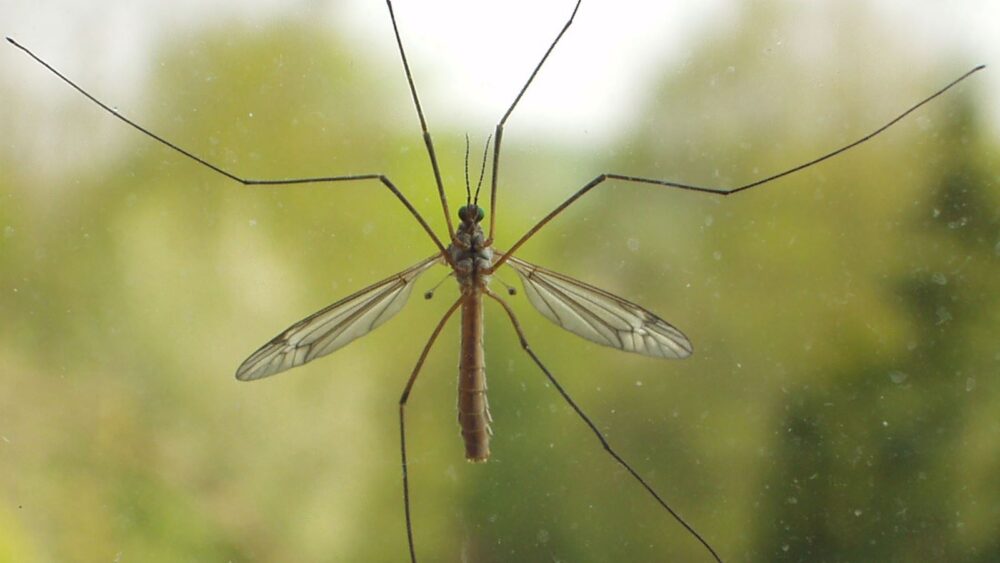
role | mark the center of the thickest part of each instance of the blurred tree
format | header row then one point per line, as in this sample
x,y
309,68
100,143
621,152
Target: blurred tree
x,y
124,284
874,466
844,341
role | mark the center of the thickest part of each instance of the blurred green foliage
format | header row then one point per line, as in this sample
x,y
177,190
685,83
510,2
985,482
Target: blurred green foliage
x,y
840,407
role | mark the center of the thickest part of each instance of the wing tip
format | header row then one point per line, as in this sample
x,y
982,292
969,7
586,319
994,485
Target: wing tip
x,y
686,347
252,370
243,374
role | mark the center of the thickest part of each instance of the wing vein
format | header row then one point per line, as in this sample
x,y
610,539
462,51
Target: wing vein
x,y
598,315
334,326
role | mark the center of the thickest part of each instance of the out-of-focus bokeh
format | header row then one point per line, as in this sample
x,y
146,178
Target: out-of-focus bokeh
x,y
842,401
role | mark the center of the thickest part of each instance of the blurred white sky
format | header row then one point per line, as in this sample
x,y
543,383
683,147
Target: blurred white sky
x,y
471,56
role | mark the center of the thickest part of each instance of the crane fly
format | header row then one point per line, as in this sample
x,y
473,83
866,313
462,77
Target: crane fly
x,y
589,312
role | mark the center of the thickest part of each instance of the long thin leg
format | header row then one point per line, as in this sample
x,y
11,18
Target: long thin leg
x,y
594,429
402,424
498,134
423,124
723,191
245,181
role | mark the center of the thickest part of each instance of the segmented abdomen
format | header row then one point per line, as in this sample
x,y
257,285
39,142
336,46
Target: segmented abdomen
x,y
473,408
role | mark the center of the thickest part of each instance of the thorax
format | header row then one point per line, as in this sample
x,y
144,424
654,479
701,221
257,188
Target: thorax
x,y
471,257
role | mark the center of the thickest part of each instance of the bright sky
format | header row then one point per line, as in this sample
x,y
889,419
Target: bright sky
x,y
470,56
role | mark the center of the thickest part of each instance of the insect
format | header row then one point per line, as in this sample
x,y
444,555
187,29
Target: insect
x,y
468,251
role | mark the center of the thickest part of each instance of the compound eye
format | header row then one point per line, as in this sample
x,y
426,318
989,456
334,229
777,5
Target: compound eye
x,y
480,214
463,212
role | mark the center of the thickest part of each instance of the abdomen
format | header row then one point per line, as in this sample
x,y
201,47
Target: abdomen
x,y
473,409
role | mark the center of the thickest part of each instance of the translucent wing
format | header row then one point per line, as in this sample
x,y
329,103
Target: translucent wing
x,y
333,327
599,316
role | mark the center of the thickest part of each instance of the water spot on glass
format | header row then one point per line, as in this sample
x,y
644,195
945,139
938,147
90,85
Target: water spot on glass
x,y
709,220
543,536
717,255
367,229
885,424
8,231
939,279
253,222
943,315
958,223
970,383
250,115
632,244
785,547
936,213
898,377
858,512
792,500
638,383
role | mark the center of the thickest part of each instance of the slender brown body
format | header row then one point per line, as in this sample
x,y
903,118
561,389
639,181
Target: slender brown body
x,y
472,260
473,408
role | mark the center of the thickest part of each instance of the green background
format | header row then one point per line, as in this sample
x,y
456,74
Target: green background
x,y
841,404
